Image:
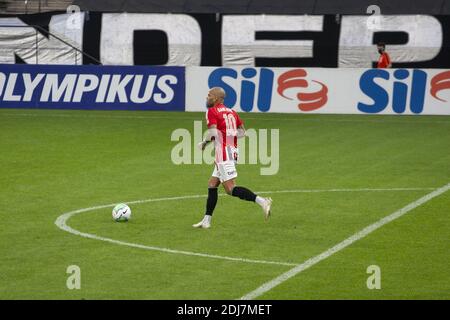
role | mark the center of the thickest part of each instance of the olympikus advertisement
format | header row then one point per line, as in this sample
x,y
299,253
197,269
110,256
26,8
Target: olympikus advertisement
x,y
92,87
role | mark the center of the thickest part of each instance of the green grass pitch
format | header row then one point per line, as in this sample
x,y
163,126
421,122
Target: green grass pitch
x,y
54,162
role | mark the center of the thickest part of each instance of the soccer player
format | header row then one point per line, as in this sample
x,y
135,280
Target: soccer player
x,y
224,127
384,61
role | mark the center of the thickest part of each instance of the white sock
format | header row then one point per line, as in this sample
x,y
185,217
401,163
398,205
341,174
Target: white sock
x,y
207,218
259,200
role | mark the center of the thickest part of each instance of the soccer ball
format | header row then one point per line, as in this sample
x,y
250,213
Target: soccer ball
x,y
121,212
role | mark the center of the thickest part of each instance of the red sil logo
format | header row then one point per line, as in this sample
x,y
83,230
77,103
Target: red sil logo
x,y
440,82
309,101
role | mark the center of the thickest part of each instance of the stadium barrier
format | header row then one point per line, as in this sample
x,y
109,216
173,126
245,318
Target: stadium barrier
x,y
271,40
278,90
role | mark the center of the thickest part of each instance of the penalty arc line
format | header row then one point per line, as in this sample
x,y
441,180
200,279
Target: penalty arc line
x,y
61,222
342,245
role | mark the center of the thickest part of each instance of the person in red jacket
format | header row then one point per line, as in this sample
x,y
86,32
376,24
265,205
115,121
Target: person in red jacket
x,y
384,61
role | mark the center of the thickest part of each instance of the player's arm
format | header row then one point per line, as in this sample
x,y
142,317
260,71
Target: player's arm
x,y
241,131
211,123
240,126
212,132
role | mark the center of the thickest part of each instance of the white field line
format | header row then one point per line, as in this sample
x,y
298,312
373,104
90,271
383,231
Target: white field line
x,y
61,222
383,121
347,190
93,116
193,119
342,245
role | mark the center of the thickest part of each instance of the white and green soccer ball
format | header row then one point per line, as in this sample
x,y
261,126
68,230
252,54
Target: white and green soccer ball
x,y
121,212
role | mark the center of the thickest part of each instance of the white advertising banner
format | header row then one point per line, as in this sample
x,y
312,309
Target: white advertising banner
x,y
323,90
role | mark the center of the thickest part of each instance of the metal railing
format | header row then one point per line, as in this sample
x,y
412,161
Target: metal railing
x,y
38,29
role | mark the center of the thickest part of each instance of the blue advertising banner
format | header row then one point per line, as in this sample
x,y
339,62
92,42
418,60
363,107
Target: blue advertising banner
x,y
92,87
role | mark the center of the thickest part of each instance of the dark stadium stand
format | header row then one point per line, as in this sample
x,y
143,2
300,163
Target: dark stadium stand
x,y
432,7
268,6
33,6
